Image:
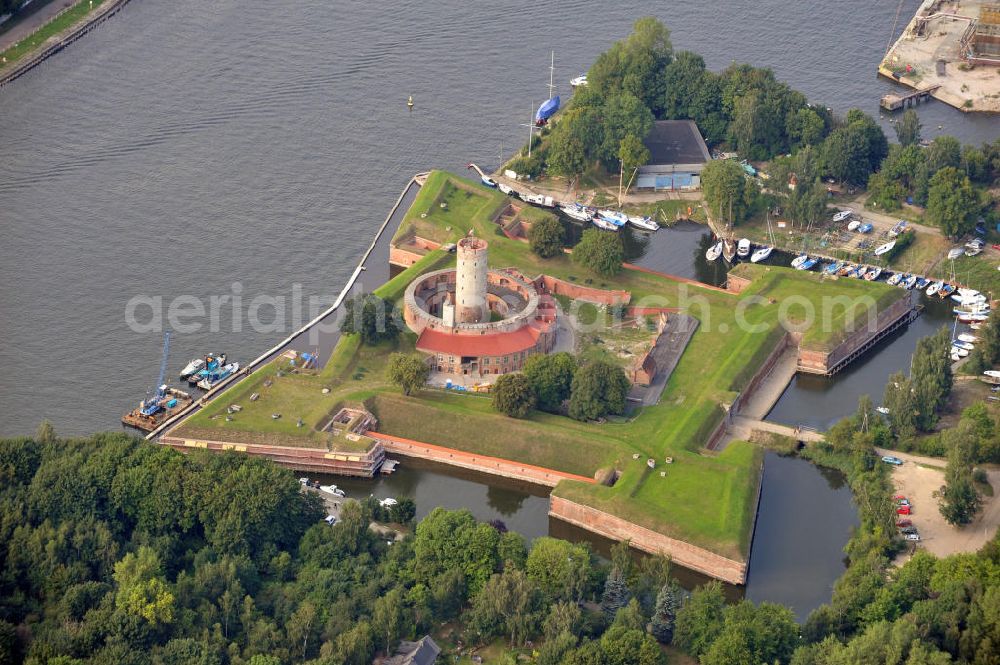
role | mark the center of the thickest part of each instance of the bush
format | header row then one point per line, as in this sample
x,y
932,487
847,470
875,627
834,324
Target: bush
x,y
546,237
599,388
601,251
512,395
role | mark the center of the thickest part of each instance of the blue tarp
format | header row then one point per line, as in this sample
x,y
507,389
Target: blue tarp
x,y
547,110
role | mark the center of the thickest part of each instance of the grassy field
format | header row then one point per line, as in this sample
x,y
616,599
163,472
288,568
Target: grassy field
x,y
704,498
53,27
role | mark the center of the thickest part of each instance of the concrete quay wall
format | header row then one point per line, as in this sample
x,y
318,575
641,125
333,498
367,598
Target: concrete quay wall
x,y
687,555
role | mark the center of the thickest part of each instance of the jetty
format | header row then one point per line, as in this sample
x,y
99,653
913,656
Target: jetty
x,y
892,102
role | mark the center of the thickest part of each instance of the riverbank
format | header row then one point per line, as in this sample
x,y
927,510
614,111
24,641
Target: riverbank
x,y
60,31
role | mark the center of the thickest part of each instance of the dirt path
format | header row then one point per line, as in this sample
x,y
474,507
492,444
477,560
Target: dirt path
x,y
917,479
20,27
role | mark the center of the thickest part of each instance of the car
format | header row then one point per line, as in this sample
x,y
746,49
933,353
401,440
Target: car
x,y
913,537
903,510
909,530
897,497
330,519
904,522
902,502
889,459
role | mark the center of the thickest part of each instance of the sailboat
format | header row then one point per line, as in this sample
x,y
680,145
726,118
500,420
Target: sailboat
x,y
728,250
764,252
548,108
714,252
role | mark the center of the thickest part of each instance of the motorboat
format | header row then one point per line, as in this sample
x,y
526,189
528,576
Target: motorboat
x,y
865,228
488,181
800,261
842,215
922,283
969,293
973,318
579,81
894,279
873,274
619,219
883,249
859,272
743,248
714,252
832,268
969,251
333,489
854,225
962,311
387,502
945,291
604,224
577,212
644,223
883,410
955,252
910,282
966,337
992,373
761,254
539,200
959,344
808,265
934,288
212,363
899,228
969,301
506,189
958,351
846,269
194,366
218,375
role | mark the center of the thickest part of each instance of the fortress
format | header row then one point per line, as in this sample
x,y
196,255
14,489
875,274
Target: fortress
x,y
478,322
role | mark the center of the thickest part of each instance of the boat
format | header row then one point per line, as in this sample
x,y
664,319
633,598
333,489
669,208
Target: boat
x,y
728,250
214,377
899,228
955,252
973,318
966,337
978,325
945,291
922,283
845,269
761,254
506,189
539,200
883,410
962,311
968,301
958,351
192,367
934,288
958,344
604,224
832,268
887,247
577,212
894,279
212,363
865,228
973,251
488,181
644,223
619,219
969,293
578,81
387,502
714,252
873,274
992,373
743,248
546,111
859,272
332,489
853,225
800,261
842,215
910,282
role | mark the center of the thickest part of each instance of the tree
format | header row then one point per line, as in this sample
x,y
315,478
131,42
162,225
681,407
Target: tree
x,y
700,619
301,626
931,378
668,600
512,395
389,617
567,155
560,569
634,66
598,388
621,645
682,79
853,152
728,194
551,378
901,404
600,251
805,127
616,594
142,591
373,318
546,237
959,501
507,600
944,151
908,128
408,372
767,633
632,154
952,202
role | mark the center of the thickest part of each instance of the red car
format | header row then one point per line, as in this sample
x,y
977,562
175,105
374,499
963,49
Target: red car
x,y
904,523
903,510
898,497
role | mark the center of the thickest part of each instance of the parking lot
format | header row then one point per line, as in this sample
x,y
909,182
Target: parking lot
x,y
917,479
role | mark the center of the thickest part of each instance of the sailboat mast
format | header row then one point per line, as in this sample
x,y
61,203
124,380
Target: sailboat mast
x,y
552,73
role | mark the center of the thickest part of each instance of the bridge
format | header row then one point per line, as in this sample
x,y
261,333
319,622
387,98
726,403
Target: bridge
x,y
741,427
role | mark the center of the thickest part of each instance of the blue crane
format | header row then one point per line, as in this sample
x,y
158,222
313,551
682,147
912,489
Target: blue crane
x,y
154,404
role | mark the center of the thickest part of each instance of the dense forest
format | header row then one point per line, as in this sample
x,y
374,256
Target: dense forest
x,y
118,551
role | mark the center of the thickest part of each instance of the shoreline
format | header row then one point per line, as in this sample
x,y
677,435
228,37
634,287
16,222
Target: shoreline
x,y
57,42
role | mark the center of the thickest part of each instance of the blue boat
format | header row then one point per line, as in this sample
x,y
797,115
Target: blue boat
x,y
809,264
865,228
922,283
546,111
833,268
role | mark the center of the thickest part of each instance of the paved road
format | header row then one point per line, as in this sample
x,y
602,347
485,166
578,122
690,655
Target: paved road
x,y
22,26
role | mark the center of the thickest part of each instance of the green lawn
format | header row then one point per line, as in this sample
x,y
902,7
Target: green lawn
x,y
705,498
53,27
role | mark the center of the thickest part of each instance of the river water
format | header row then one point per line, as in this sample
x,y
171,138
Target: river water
x,y
250,149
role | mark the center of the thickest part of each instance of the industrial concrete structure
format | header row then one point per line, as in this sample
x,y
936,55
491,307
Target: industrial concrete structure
x,y
478,322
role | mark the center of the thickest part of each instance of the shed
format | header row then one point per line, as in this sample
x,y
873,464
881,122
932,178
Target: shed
x,y
677,155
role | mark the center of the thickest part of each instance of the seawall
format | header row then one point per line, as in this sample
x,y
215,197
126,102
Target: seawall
x,y
647,540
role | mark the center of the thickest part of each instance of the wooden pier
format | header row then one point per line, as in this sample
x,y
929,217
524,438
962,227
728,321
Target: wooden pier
x,y
892,102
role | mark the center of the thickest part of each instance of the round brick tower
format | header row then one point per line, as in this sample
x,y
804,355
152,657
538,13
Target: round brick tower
x,y
470,282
